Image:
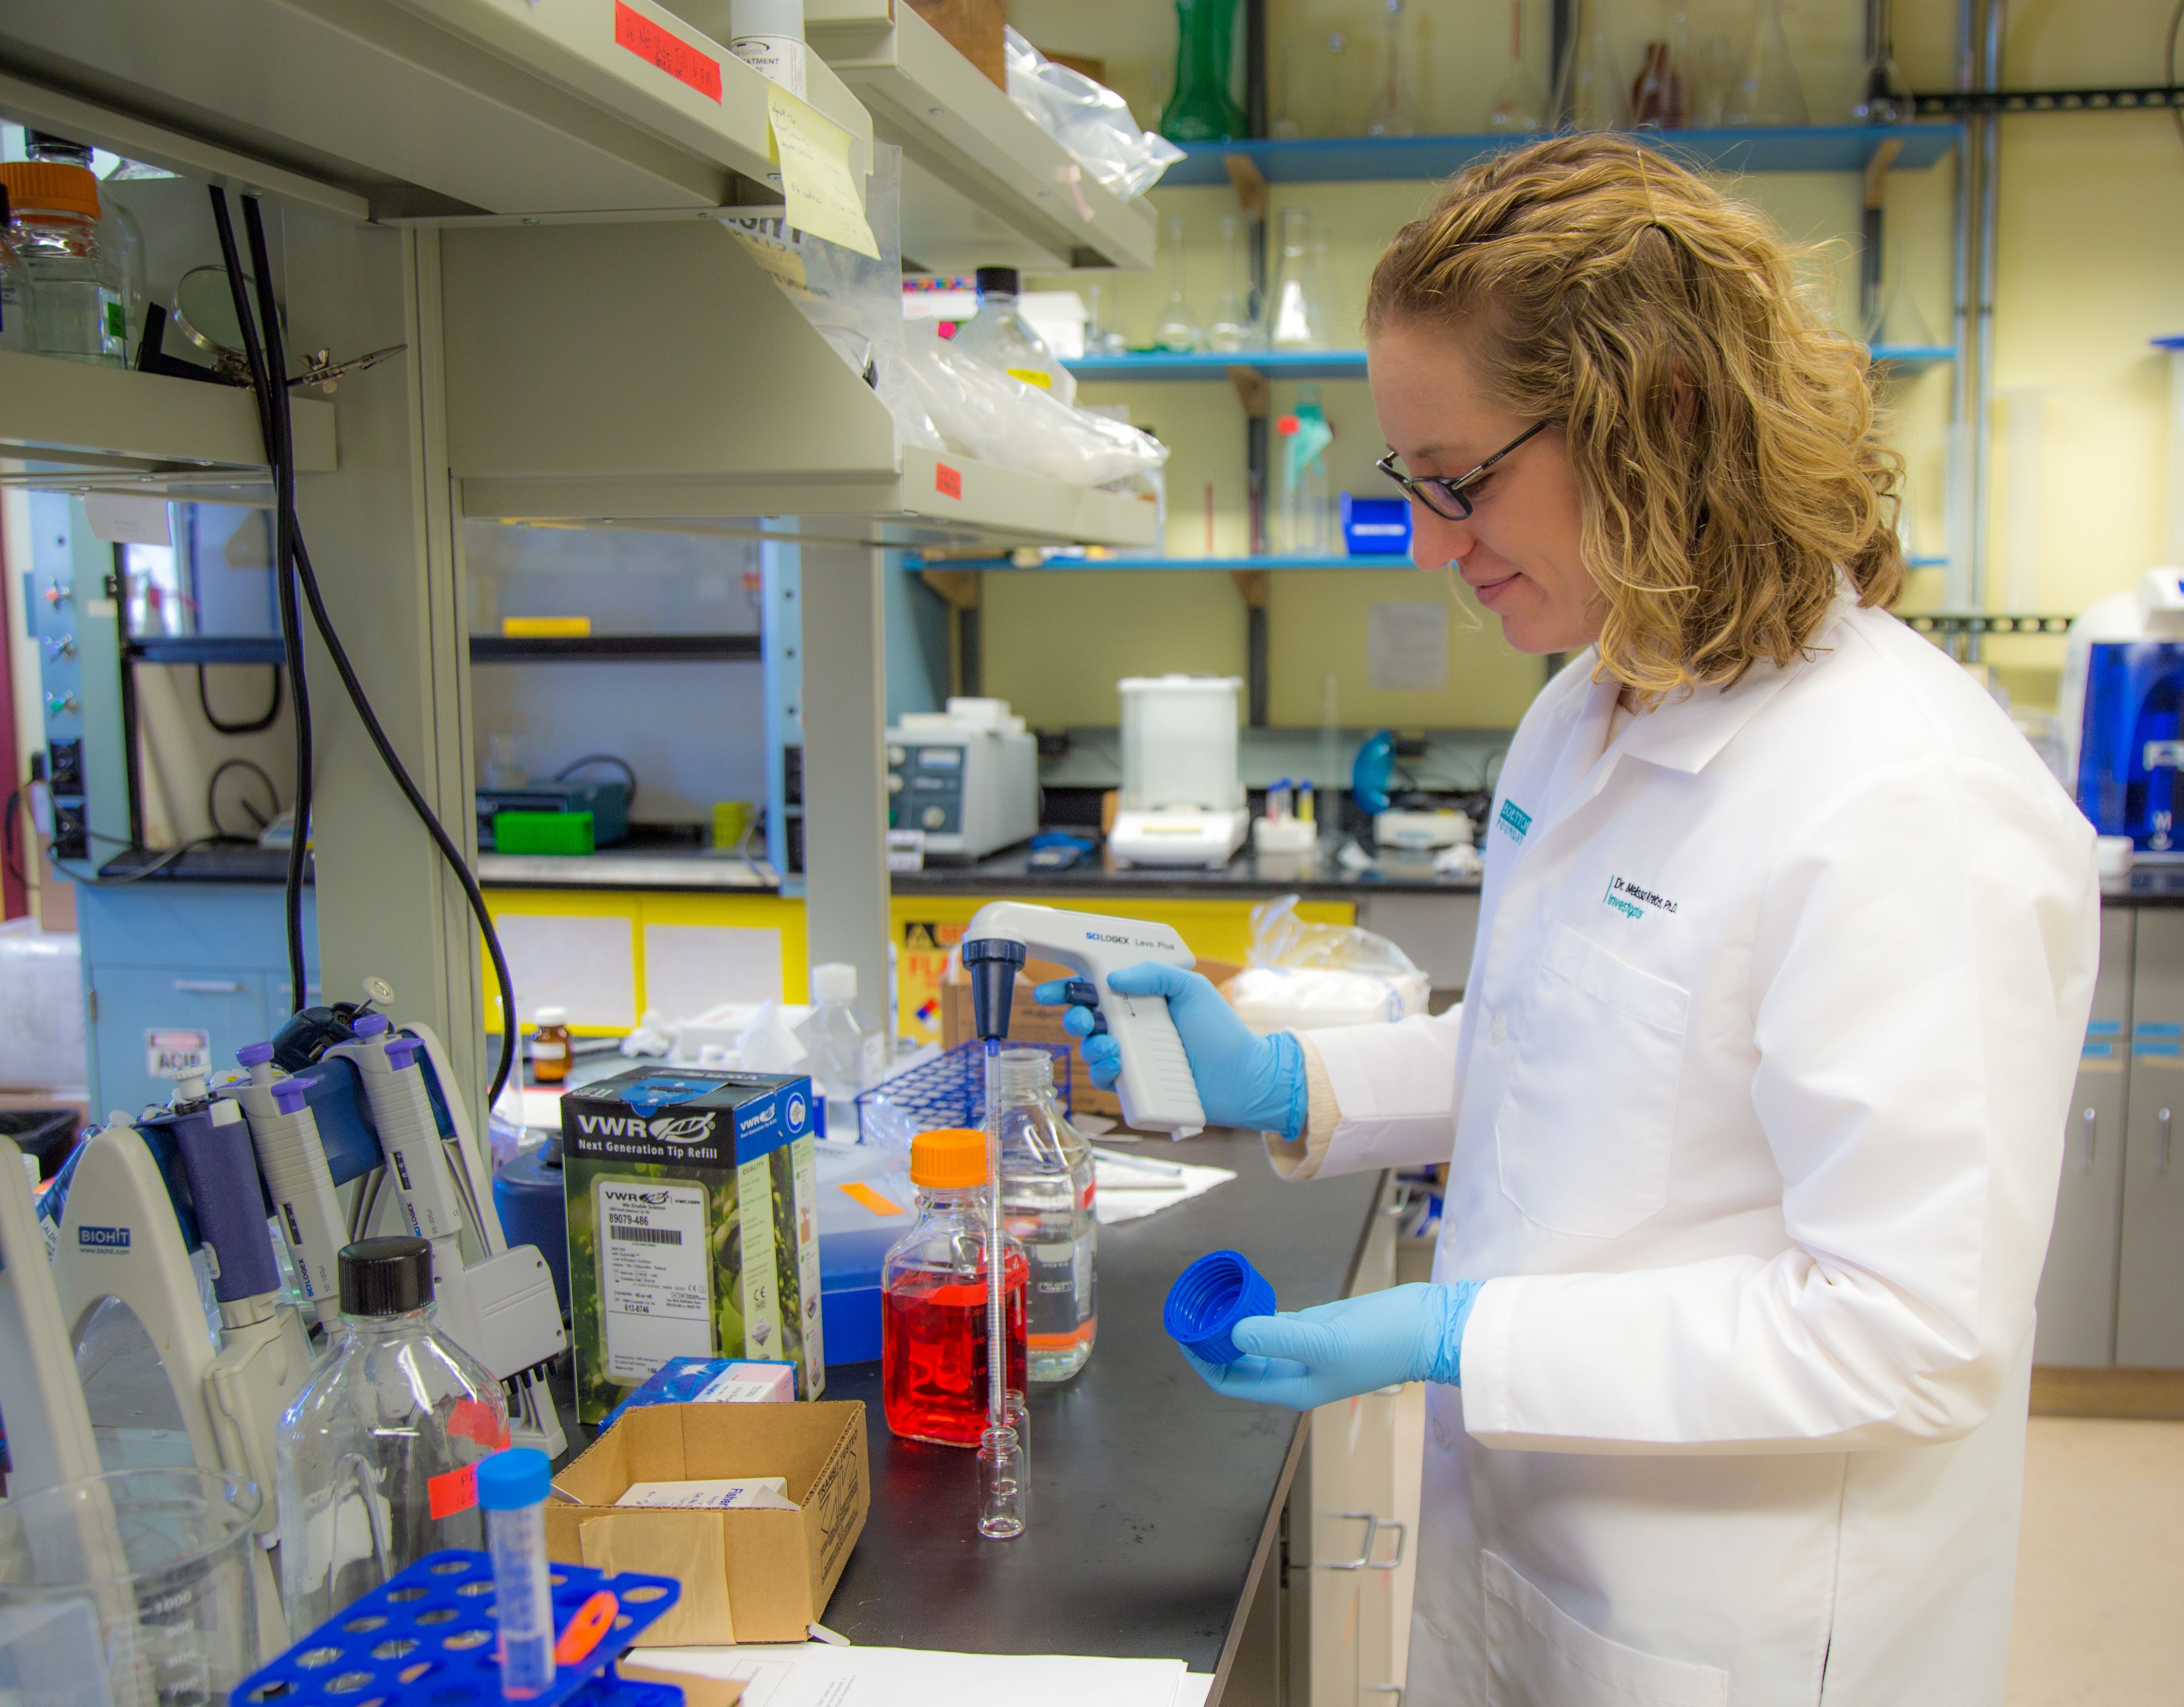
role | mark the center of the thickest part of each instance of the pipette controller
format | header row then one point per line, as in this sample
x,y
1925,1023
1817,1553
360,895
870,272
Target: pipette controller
x,y
1157,1091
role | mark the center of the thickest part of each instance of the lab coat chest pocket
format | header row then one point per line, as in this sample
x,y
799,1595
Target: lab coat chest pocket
x,y
1586,1129
1539,1656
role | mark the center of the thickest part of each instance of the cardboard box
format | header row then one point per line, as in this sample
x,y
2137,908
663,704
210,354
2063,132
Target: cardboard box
x,y
1030,1023
747,1576
685,1238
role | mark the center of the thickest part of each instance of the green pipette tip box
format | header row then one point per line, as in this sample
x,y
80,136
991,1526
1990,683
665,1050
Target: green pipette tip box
x,y
542,832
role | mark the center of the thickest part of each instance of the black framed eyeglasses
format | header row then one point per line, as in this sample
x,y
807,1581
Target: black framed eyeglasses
x,y
1445,498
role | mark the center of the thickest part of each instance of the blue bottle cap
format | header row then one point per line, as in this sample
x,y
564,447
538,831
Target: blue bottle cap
x,y
511,1480
1209,1299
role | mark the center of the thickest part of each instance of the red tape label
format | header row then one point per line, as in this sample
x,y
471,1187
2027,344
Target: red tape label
x,y
668,51
476,1421
452,1491
946,480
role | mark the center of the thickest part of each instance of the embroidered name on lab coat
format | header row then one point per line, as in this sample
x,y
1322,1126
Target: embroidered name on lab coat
x,y
1631,901
1514,819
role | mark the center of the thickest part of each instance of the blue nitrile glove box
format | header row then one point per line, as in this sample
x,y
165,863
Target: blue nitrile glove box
x,y
1376,526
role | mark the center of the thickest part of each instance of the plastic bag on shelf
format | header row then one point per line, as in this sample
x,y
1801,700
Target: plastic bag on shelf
x,y
41,1045
984,413
851,300
1302,976
1090,119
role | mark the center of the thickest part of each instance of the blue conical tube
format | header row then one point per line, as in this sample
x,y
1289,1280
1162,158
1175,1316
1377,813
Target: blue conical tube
x,y
1209,1299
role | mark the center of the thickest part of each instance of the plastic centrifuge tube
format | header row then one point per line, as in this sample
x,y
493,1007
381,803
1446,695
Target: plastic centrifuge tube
x,y
1003,1459
511,1489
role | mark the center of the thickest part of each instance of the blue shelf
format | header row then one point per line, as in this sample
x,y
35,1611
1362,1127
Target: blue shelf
x,y
206,648
1272,561
1280,364
1366,159
1913,357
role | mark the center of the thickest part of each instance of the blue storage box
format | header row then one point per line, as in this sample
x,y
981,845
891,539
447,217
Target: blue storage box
x,y
1376,526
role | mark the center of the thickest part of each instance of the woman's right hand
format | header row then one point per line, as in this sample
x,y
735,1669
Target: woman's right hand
x,y
1243,1080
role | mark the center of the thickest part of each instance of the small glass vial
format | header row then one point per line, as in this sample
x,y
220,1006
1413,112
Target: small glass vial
x,y
76,311
14,288
1046,1196
550,1045
376,1456
511,1491
933,1302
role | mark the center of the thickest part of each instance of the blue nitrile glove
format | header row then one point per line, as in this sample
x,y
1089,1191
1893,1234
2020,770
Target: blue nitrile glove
x,y
1314,1357
1243,1080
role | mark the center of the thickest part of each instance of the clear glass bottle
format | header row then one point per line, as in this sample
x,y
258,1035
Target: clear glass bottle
x,y
120,238
14,288
1001,336
75,308
1046,1195
377,1454
1308,507
1235,328
1179,330
932,1300
1296,305
1589,86
1767,91
844,1053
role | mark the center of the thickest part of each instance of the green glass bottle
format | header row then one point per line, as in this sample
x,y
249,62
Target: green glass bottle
x,y
1201,109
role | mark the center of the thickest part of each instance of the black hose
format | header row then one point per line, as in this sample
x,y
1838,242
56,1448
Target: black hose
x,y
256,726
622,765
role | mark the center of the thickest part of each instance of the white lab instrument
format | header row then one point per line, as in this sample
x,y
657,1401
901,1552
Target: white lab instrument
x,y
967,777
1157,1091
1183,793
2151,608
1422,830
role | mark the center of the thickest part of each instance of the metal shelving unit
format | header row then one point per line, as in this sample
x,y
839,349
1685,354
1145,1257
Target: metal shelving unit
x,y
617,648
1143,365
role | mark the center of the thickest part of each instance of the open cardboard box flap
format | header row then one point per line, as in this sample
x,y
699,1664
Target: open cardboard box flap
x,y
775,1569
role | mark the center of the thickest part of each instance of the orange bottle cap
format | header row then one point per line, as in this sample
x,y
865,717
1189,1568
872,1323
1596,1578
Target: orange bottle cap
x,y
48,185
953,1159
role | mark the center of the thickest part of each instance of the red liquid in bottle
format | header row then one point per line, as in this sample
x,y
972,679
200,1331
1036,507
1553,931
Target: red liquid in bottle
x,y
932,1353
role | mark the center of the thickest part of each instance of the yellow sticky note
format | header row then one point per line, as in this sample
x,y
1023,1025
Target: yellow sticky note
x,y
813,153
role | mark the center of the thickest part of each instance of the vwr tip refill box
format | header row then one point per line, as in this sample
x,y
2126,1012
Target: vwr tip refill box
x,y
693,1225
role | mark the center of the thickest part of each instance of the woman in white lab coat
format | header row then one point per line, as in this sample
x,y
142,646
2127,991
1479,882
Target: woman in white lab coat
x,y
1754,1106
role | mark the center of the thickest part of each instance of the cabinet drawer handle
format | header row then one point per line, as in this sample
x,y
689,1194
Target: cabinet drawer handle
x,y
2091,1119
210,987
1365,1560
2161,1148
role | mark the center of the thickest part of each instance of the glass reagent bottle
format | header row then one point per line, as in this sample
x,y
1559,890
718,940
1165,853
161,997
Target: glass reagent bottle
x,y
1001,336
846,1056
1047,1200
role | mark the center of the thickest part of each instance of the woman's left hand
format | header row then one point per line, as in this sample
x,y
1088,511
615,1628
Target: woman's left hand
x,y
1313,1357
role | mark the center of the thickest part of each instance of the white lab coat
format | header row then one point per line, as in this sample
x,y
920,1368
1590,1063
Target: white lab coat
x,y
1757,1102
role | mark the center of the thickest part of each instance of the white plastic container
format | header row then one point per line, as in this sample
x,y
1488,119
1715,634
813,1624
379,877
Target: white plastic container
x,y
1179,742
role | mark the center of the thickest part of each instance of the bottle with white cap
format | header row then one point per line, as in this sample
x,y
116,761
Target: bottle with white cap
x,y
846,1054
768,36
549,1045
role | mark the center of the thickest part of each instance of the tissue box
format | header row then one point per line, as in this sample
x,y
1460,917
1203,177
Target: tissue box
x,y
747,1575
687,1237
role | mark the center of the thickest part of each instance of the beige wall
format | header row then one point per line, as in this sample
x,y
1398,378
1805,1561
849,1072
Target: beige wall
x,y
2091,267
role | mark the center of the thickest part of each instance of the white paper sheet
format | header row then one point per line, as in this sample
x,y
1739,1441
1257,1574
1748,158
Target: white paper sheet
x,y
1131,1188
690,968
1406,647
816,1675
587,965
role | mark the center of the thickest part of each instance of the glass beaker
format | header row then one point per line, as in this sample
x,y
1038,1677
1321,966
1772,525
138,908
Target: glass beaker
x,y
1588,85
1101,339
132,1587
1234,326
1296,305
1767,91
1178,330
1201,109
1394,110
1520,103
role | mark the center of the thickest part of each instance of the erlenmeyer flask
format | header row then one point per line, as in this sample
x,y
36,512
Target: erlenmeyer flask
x,y
1201,109
1394,109
1520,103
1296,306
1234,326
1178,330
1767,91
1285,125
1588,88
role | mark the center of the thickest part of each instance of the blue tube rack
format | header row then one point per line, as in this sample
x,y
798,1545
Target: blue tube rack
x,y
428,1638
950,1090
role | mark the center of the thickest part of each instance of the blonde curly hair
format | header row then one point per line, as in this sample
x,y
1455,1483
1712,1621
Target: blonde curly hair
x,y
1724,437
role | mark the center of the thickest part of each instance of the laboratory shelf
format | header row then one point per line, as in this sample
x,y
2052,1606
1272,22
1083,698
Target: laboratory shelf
x,y
1275,365
87,426
1066,560
696,398
425,111
616,648
981,184
1363,159
205,649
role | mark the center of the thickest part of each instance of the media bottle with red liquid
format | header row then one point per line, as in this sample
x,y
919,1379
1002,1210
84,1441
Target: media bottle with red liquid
x,y
932,1305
